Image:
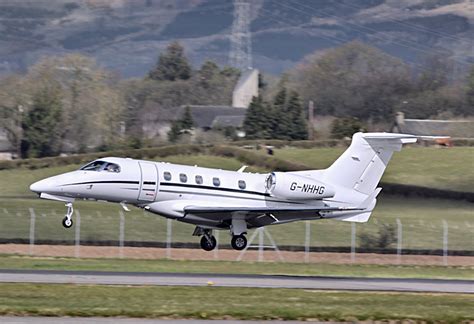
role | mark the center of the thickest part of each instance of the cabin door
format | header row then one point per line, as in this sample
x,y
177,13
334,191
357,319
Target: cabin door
x,y
149,181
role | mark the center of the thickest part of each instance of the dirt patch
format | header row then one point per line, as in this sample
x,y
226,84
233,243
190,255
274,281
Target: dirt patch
x,y
228,255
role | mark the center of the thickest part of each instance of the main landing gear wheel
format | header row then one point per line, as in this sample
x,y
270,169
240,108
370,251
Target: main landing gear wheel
x,y
238,242
208,243
67,222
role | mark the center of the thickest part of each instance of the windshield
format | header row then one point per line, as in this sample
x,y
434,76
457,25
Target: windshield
x,y
101,166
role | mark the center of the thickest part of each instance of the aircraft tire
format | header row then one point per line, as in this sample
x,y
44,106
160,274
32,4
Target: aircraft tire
x,y
67,223
238,242
207,245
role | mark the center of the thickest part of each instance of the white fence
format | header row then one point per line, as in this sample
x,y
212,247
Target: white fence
x,y
123,230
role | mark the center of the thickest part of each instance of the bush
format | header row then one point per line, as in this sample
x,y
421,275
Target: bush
x,y
345,127
383,239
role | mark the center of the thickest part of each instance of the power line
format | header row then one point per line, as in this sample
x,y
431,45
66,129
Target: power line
x,y
413,26
361,28
335,39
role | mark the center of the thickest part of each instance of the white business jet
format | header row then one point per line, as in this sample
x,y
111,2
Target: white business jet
x,y
237,201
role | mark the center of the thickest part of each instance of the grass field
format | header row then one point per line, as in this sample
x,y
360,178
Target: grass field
x,y
239,303
280,268
421,219
450,169
430,167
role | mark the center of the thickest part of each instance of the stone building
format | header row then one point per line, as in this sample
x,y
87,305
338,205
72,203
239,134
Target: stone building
x,y
246,89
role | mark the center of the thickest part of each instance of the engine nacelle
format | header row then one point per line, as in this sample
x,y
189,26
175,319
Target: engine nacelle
x,y
290,186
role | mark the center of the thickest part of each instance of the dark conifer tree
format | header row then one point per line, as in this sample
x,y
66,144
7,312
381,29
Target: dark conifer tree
x,y
172,65
298,127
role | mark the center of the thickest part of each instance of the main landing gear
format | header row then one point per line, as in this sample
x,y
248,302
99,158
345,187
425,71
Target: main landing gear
x,y
238,229
67,220
238,242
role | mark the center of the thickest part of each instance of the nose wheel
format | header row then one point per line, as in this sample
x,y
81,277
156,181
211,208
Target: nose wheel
x,y
208,243
67,220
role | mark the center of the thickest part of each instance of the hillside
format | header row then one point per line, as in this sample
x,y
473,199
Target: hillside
x,y
127,35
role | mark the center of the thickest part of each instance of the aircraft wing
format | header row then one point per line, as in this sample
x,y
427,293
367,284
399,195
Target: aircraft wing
x,y
272,215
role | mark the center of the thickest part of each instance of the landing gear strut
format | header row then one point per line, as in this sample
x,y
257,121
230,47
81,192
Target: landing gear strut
x,y
67,220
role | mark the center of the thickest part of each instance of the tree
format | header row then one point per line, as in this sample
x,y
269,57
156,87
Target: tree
x,y
172,65
187,121
436,69
208,74
14,99
353,80
345,127
181,126
280,117
42,124
175,131
298,126
93,107
256,122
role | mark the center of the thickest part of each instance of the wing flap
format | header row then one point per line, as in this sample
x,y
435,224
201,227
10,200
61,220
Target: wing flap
x,y
208,210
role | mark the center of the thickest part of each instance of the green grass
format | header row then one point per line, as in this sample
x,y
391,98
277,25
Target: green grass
x,y
421,219
239,303
268,268
450,169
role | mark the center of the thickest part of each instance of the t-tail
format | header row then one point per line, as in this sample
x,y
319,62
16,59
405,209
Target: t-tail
x,y
362,165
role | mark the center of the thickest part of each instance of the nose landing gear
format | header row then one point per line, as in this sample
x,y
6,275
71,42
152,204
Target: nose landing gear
x,y
208,241
67,220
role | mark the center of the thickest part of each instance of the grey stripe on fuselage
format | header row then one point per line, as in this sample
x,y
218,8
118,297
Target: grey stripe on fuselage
x,y
250,195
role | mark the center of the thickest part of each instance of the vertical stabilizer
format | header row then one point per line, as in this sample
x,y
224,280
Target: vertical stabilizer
x,y
362,165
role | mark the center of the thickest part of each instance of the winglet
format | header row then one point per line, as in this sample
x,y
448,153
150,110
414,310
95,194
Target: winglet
x,y
368,201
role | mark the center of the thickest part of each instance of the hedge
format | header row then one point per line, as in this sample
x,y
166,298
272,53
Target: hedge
x,y
145,153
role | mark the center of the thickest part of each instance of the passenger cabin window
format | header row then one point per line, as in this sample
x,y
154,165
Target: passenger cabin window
x,y
183,177
101,166
242,184
198,179
216,182
167,176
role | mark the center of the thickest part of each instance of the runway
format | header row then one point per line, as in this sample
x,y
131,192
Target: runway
x,y
237,280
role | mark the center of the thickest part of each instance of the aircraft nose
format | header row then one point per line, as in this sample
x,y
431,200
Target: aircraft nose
x,y
40,186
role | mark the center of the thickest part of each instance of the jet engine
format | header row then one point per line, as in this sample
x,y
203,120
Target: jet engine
x,y
295,187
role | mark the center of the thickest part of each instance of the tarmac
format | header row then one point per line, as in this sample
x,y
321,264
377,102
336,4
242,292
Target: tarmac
x,y
237,280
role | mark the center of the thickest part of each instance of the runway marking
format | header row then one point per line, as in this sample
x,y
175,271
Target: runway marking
x,y
237,280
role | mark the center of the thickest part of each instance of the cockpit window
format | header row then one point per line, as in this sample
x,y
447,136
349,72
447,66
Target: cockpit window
x,y
112,167
94,166
101,166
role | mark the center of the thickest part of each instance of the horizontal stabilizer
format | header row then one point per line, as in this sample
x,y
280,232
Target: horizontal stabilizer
x,y
369,200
